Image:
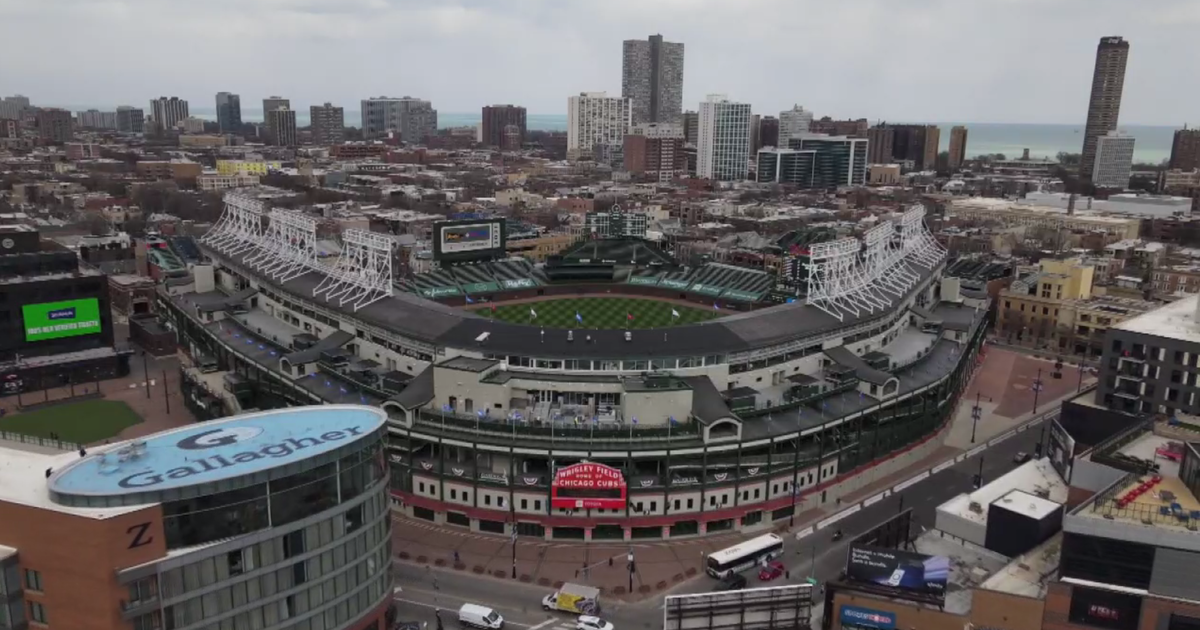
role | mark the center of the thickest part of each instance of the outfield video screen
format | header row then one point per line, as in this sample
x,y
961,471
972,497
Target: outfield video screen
x,y
899,569
467,239
56,320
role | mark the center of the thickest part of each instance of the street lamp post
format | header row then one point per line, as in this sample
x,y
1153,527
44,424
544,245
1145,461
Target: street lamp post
x,y
1037,389
629,561
976,413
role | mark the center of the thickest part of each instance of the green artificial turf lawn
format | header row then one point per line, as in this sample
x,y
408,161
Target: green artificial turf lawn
x,y
81,422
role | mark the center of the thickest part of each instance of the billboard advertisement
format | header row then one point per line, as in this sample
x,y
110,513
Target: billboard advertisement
x,y
1105,609
899,569
56,320
588,486
867,618
468,240
1061,450
771,608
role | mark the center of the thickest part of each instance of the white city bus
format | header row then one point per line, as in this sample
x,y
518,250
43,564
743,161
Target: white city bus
x,y
744,555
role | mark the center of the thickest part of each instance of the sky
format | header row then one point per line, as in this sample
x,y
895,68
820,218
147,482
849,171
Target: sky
x,y
1003,61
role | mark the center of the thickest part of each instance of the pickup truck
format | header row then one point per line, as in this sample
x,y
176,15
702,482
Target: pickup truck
x,y
574,598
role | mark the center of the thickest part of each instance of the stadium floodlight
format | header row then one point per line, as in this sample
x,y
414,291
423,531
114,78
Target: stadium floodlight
x,y
240,228
289,246
362,274
919,245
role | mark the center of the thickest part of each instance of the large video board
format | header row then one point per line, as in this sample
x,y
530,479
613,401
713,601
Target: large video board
x,y
471,239
56,320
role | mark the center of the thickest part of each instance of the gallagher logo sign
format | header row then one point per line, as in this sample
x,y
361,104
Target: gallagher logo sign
x,y
588,486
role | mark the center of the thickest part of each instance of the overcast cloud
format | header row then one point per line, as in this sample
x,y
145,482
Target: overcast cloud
x,y
912,60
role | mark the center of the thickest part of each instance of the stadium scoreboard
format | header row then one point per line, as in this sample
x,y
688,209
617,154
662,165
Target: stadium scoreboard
x,y
468,239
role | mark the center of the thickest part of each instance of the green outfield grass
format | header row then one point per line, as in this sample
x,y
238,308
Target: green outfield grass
x,y
599,312
80,422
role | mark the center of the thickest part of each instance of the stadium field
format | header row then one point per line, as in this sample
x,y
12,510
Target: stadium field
x,y
599,312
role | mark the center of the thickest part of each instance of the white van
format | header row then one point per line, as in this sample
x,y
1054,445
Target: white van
x,y
480,617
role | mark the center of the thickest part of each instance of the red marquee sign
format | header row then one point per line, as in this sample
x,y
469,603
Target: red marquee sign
x,y
588,486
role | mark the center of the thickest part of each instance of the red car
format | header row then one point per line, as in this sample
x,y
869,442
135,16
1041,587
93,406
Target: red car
x,y
771,571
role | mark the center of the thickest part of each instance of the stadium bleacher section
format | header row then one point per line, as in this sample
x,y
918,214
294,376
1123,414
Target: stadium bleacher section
x,y
713,280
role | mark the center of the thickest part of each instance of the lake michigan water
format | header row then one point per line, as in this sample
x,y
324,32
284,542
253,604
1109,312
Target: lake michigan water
x,y
1153,143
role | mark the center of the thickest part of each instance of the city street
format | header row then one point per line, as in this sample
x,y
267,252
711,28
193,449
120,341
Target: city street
x,y
423,589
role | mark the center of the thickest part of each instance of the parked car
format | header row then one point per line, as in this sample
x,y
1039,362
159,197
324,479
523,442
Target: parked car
x,y
731,582
771,571
1021,458
588,622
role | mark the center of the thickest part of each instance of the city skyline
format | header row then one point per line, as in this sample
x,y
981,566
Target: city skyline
x,y
996,78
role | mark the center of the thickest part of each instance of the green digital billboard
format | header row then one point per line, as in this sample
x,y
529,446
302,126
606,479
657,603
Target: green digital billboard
x,y
55,320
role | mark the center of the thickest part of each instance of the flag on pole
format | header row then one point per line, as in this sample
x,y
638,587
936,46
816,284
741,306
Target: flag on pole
x,y
578,317
715,307
469,300
635,419
532,313
674,313
629,316
672,420
493,308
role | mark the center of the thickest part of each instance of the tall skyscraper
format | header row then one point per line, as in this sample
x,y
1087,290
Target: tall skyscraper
x,y
1104,105
496,118
723,148
793,122
652,78
328,124
412,119
755,139
1114,161
167,112
229,112
281,126
958,146
55,125
130,119
597,122
1185,149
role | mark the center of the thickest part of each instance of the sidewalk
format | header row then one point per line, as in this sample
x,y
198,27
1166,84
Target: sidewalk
x,y
663,564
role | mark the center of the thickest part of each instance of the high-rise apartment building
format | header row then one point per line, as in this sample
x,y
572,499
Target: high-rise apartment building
x,y
723,146
496,118
596,120
691,127
167,112
1104,105
917,144
652,78
130,119
275,102
229,112
1113,161
55,125
12,107
958,146
768,131
856,127
881,144
281,126
96,119
755,139
655,150
328,124
793,123
1185,149
412,119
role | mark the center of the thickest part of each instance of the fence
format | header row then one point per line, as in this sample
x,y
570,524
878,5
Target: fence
x,y
8,436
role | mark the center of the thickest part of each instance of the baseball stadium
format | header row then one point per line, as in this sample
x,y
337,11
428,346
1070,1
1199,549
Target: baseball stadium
x,y
609,393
